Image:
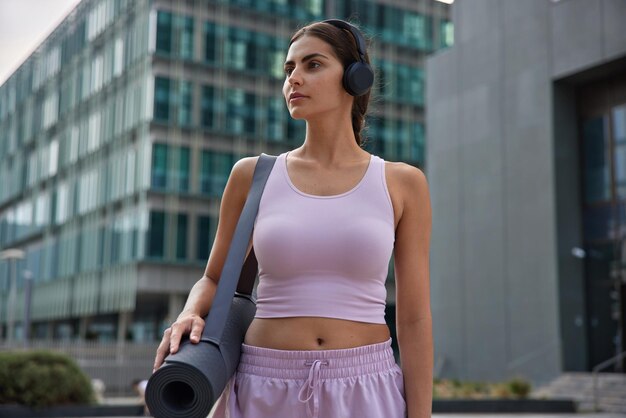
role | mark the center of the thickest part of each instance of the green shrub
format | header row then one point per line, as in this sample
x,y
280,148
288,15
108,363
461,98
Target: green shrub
x,y
42,378
519,387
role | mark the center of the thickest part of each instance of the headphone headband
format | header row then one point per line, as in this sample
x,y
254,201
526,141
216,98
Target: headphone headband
x,y
360,42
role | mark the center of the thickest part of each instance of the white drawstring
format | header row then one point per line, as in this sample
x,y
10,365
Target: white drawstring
x,y
311,388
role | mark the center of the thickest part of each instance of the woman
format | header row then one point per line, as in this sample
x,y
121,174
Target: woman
x,y
330,216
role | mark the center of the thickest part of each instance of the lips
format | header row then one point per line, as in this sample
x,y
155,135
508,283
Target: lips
x,y
295,96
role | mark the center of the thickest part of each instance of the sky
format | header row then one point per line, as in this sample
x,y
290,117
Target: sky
x,y
24,24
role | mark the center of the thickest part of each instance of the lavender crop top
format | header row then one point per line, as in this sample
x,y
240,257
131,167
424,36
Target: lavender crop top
x,y
324,256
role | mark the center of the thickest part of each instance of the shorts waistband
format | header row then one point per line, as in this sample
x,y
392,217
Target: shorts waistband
x,y
296,364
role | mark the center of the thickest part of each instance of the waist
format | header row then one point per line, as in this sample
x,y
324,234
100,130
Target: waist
x,y
312,333
337,363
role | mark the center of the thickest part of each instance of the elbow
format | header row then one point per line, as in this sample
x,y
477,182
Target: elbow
x,y
414,327
209,280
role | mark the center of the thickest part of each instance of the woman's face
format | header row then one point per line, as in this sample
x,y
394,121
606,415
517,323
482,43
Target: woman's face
x,y
313,71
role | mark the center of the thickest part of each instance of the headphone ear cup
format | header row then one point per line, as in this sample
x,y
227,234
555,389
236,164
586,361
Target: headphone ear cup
x,y
358,78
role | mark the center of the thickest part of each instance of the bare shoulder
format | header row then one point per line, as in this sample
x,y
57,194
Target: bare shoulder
x,y
404,173
241,175
244,167
406,182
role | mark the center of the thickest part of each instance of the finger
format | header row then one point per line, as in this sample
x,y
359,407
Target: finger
x,y
196,330
162,350
178,330
158,360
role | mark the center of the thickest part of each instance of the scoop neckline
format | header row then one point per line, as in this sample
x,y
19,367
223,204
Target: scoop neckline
x,y
315,196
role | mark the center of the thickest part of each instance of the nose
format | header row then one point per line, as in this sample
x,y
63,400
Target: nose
x,y
294,77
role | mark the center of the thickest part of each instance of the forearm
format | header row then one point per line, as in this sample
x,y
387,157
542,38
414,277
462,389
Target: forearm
x,y
200,297
416,357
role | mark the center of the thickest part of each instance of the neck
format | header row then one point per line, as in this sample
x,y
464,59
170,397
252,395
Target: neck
x,y
330,142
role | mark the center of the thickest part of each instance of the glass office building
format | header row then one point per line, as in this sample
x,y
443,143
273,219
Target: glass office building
x,y
117,136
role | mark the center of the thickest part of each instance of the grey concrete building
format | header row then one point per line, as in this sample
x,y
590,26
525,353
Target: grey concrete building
x,y
526,156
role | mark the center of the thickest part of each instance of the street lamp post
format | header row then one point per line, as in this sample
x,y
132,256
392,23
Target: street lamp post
x,y
12,254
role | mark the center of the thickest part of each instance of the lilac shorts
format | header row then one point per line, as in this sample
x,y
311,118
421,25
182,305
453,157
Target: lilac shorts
x,y
362,382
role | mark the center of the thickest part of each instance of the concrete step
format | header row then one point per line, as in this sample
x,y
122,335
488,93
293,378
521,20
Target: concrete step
x,y
578,386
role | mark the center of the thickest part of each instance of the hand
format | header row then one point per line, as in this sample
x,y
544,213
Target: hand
x,y
185,324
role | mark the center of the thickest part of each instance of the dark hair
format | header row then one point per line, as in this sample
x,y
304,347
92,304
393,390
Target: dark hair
x,y
344,46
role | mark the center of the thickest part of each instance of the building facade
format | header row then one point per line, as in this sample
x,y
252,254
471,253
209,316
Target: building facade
x,y
527,160
117,136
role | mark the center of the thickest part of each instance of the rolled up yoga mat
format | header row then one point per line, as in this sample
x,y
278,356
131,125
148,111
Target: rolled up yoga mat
x,y
190,381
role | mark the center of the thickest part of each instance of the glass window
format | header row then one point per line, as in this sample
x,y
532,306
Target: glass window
x,y
214,172
65,100
159,166
315,7
249,112
236,48
170,172
416,85
619,137
277,59
210,42
234,120
409,85
184,30
42,210
181,236
174,35
205,172
203,241
184,110
161,99
389,23
164,32
183,169
208,110
446,34
118,58
54,158
597,169
102,235
235,110
53,258
156,235
275,119
61,203
415,29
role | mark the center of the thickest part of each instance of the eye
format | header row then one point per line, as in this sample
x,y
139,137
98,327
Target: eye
x,y
312,64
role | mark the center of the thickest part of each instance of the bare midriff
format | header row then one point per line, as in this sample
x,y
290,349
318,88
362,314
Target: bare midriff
x,y
313,333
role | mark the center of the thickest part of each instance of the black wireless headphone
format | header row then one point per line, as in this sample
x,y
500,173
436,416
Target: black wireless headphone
x,y
358,77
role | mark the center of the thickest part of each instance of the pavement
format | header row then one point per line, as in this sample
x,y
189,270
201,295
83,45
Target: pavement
x,y
128,400
582,415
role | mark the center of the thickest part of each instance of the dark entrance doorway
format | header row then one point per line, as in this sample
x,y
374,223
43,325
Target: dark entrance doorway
x,y
602,110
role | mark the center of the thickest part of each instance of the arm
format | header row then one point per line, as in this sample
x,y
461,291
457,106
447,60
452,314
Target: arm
x,y
201,295
413,315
